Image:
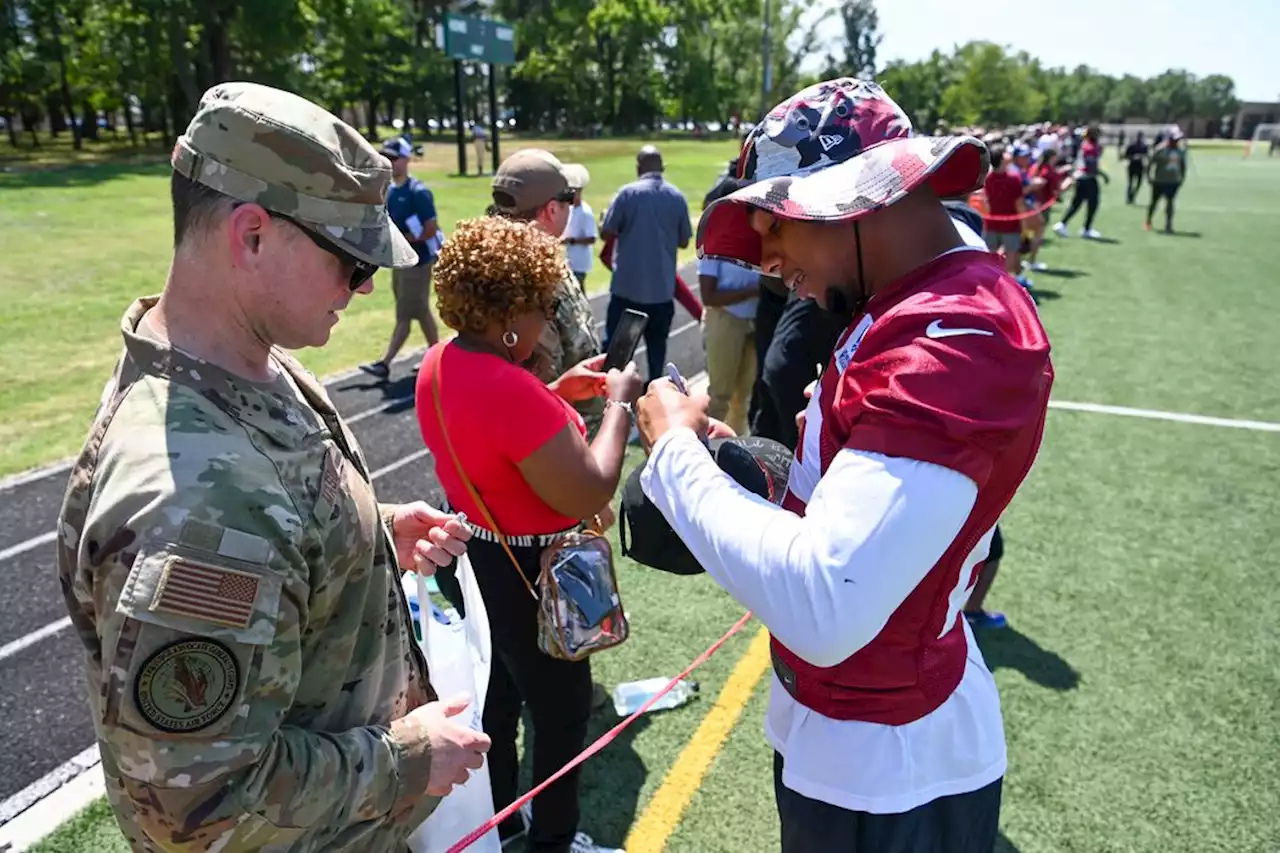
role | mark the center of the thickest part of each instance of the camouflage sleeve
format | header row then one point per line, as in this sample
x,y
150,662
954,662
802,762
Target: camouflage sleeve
x,y
202,575
576,324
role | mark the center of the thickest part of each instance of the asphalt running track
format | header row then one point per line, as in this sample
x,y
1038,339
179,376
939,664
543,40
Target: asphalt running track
x,y
44,715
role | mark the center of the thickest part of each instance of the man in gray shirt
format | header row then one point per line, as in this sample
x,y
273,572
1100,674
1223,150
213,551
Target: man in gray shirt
x,y
649,219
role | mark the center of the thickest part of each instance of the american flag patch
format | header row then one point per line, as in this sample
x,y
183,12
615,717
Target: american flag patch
x,y
208,593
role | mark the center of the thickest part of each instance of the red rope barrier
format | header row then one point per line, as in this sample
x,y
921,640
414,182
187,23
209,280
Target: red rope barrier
x,y
1014,217
604,740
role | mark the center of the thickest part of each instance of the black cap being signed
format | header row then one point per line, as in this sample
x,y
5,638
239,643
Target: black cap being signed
x,y
760,465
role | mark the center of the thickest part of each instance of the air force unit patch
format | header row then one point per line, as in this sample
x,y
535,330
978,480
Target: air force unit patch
x,y
187,685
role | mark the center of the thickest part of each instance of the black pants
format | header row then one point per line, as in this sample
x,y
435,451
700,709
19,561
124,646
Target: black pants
x,y
1086,193
762,416
963,823
1135,182
802,341
1166,192
655,333
556,692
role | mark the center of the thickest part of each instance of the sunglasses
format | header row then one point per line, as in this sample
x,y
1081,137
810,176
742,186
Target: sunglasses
x,y
565,196
361,271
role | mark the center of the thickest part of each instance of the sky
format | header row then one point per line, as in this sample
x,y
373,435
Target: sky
x,y
1239,38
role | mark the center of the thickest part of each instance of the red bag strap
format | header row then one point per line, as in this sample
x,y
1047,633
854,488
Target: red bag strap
x,y
471,490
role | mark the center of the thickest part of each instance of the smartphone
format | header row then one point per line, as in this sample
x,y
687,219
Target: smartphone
x,y
574,577
625,339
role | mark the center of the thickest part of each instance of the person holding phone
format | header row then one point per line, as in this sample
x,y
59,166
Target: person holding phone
x,y
523,446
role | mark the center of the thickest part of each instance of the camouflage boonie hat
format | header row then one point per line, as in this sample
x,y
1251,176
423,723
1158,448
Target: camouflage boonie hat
x,y
834,152
264,145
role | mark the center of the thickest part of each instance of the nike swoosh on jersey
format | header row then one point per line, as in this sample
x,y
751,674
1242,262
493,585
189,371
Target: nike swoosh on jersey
x,y
935,330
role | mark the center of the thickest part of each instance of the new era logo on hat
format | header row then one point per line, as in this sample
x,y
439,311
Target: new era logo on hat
x,y
862,143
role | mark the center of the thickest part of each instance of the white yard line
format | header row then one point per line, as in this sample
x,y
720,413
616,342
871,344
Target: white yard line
x,y
1154,414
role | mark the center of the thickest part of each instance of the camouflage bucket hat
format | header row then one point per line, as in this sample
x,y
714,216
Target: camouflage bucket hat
x,y
274,148
834,152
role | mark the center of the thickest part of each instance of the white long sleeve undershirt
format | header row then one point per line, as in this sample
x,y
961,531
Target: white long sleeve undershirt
x,y
826,583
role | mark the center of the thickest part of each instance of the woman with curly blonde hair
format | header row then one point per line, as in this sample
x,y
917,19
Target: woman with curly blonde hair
x,y
523,447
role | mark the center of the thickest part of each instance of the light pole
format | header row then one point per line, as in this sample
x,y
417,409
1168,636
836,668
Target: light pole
x,y
764,64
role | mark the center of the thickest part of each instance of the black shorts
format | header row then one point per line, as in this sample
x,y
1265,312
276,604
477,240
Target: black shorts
x,y
997,547
961,823
1159,191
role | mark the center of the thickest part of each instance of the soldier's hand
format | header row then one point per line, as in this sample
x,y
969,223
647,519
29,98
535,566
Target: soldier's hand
x,y
454,749
427,538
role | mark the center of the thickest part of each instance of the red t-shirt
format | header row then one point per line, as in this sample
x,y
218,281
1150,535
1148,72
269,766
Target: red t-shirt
x,y
1003,188
497,414
1052,182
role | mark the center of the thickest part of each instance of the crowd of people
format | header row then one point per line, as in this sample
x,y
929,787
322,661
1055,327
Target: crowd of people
x,y
1033,167
253,674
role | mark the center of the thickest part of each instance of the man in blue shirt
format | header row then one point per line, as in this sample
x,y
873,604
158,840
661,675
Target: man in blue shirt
x,y
650,219
412,208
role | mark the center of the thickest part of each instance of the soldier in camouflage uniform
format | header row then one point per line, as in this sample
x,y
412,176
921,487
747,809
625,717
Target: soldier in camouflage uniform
x,y
252,675
531,185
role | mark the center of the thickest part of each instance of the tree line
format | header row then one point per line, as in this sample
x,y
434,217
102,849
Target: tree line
x,y
582,66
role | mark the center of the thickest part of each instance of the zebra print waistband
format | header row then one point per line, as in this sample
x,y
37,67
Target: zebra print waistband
x,y
528,540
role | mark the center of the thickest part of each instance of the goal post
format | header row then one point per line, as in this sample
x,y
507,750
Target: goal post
x,y
1265,141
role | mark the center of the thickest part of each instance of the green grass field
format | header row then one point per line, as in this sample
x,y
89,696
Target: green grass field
x,y
1138,675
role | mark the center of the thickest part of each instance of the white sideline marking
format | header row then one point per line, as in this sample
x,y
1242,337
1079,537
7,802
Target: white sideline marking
x,y
1153,414
13,647
23,547
70,798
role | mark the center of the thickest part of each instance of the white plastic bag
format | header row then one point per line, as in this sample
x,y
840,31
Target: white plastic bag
x,y
458,658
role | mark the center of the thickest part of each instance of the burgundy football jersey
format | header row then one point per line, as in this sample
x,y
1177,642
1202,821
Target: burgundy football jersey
x,y
949,365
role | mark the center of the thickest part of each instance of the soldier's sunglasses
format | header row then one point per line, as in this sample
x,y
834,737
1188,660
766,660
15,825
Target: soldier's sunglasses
x,y
361,271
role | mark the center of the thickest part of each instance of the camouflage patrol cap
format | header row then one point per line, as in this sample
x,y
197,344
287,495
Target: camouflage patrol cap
x,y
258,144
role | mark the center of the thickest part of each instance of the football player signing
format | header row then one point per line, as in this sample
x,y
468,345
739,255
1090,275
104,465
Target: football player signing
x,y
884,718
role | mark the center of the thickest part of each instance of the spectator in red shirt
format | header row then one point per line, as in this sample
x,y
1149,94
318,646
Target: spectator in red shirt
x,y
522,445
1003,188
1048,183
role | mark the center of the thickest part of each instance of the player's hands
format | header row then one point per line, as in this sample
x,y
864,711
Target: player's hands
x,y
719,429
426,538
664,408
808,395
436,735
582,381
625,385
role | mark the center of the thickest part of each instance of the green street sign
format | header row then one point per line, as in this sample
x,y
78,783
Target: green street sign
x,y
479,40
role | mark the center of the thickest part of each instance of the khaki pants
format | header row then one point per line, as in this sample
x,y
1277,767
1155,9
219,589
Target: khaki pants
x,y
412,289
731,366
479,145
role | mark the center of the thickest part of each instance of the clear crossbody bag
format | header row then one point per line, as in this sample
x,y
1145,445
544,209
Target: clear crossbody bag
x,y
579,606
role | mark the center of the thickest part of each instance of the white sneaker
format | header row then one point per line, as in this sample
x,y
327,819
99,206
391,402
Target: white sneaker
x,y
1060,229
526,817
582,843
1092,234
1039,266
